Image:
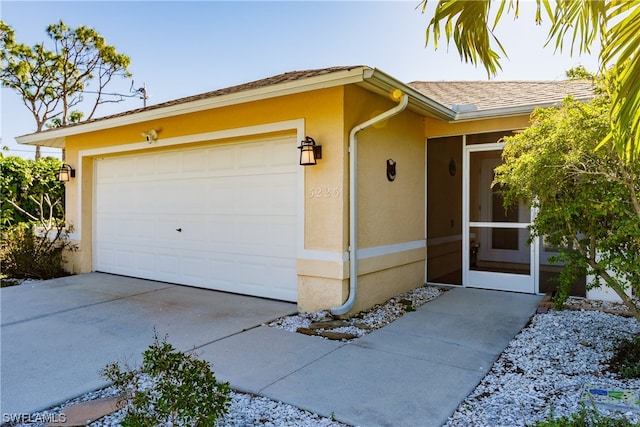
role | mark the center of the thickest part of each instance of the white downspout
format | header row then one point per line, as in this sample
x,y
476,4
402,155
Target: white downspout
x,y
353,202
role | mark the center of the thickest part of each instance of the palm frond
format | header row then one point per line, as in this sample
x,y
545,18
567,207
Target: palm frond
x,y
466,23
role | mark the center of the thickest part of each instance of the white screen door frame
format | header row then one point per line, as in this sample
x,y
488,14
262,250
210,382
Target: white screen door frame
x,y
526,281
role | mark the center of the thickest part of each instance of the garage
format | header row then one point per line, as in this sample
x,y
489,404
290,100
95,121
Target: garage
x,y
220,216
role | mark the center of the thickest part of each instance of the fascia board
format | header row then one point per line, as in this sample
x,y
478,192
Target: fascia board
x,y
493,113
57,141
56,137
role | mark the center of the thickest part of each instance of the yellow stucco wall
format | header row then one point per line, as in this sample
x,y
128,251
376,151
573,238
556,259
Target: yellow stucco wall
x,y
438,128
391,214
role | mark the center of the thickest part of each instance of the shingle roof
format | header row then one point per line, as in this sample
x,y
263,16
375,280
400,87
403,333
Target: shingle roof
x,y
256,84
456,96
269,81
487,95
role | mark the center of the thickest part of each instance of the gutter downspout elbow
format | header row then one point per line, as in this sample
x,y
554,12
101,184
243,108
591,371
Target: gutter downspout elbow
x,y
353,201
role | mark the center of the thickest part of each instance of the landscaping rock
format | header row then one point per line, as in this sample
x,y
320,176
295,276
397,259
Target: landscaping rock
x,y
338,336
84,413
307,331
330,324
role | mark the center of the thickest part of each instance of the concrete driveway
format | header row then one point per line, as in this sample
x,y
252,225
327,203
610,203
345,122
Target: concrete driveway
x,y
56,335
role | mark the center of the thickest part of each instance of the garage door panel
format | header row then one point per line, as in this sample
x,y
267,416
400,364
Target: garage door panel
x,y
221,160
218,231
252,157
193,201
125,167
235,206
194,161
146,166
166,165
146,196
192,232
281,155
280,234
107,256
166,233
146,262
194,267
168,264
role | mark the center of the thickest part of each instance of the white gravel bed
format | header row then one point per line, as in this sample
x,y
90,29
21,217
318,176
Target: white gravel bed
x,y
248,410
545,369
377,317
245,410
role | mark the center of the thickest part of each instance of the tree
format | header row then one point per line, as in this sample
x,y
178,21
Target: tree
x,y
53,82
587,200
615,24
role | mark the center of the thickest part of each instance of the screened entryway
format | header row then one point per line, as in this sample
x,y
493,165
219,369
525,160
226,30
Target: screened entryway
x,y
472,239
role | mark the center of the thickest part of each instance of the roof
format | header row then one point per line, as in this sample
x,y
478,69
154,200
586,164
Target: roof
x,y
287,77
449,101
467,96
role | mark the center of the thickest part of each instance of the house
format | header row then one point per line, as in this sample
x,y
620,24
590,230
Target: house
x,y
209,190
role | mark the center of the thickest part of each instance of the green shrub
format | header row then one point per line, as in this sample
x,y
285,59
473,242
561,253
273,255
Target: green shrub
x,y
626,358
586,417
171,388
23,182
27,255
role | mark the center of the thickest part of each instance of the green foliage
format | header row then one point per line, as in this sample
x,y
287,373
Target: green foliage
x,y
579,73
25,254
586,417
23,186
586,198
32,197
183,391
626,358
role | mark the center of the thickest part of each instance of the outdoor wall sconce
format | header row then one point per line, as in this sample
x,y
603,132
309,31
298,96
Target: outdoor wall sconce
x,y
391,170
66,172
151,136
309,152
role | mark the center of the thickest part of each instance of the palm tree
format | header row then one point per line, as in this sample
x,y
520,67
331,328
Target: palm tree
x,y
615,24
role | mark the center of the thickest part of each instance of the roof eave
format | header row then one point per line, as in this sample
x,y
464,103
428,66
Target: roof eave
x,y
56,137
518,110
379,82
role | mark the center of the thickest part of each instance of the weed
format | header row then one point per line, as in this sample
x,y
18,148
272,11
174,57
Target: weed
x,y
626,358
586,417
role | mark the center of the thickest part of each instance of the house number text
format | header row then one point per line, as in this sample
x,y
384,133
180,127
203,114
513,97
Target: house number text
x,y
324,192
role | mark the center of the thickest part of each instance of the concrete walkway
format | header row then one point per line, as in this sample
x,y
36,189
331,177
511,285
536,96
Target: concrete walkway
x,y
56,335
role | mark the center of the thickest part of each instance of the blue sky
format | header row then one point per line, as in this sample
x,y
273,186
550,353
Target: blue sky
x,y
180,48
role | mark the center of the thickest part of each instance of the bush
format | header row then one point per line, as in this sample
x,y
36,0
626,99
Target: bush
x,y
171,388
23,182
626,358
27,255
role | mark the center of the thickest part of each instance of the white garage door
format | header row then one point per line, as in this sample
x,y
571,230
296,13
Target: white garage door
x,y
221,217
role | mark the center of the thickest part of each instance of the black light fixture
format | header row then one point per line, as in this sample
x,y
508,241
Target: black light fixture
x,y
309,152
66,172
